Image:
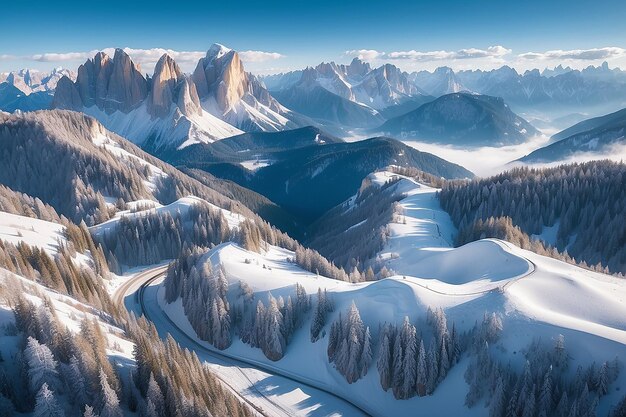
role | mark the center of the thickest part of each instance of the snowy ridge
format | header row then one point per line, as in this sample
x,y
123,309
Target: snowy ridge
x,y
179,206
528,309
536,296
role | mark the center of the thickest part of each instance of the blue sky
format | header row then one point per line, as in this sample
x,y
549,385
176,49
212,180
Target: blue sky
x,y
301,33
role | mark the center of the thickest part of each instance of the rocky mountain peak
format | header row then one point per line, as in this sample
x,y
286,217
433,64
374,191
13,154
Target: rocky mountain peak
x,y
166,76
358,68
221,75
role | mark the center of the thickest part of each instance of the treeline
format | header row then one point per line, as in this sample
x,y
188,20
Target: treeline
x,y
351,235
588,201
14,202
418,175
59,273
147,238
410,365
61,373
350,345
256,235
503,228
203,292
271,327
545,387
174,382
42,156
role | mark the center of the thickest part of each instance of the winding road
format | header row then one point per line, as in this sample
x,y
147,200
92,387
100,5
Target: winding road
x,y
239,375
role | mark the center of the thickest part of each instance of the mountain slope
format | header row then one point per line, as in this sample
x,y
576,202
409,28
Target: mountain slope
x,y
351,95
71,162
462,119
590,124
596,138
309,180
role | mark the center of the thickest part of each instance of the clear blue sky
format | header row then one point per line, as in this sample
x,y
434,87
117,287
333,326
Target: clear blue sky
x,y
306,32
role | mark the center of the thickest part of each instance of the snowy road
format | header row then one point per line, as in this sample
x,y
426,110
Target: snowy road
x,y
270,394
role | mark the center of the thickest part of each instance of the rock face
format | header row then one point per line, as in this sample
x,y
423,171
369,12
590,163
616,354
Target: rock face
x,y
66,96
111,84
170,86
220,74
227,91
160,113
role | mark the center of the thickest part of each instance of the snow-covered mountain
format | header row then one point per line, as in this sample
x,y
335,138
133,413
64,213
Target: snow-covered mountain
x,y
352,95
555,90
158,113
596,138
462,119
30,81
237,97
12,98
439,82
519,313
29,90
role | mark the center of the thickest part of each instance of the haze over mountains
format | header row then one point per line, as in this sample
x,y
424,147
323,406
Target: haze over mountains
x,y
169,109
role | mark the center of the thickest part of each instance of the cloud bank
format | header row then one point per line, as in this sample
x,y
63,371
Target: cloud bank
x,y
144,57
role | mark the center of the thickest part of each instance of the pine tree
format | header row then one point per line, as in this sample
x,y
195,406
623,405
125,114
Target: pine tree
x,y
109,404
42,368
154,396
366,353
398,371
422,376
498,400
274,342
545,398
46,405
77,383
384,363
409,364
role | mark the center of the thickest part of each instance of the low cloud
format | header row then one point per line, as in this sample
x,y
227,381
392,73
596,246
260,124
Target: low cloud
x,y
496,51
144,57
365,54
593,54
259,56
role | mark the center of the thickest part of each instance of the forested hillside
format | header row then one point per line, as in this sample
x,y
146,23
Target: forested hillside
x,y
586,203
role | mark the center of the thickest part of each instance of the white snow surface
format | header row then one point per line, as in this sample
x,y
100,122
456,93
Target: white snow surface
x,y
537,297
34,232
138,125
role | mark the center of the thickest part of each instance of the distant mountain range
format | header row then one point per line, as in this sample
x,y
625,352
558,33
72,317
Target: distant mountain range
x,y
169,110
599,136
352,95
29,90
462,119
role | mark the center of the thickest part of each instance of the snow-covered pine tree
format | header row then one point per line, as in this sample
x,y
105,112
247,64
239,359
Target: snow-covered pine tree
x,y
366,353
42,368
384,362
108,402
46,404
422,376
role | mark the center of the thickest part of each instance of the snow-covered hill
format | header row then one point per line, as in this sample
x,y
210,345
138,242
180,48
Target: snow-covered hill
x,y
535,296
